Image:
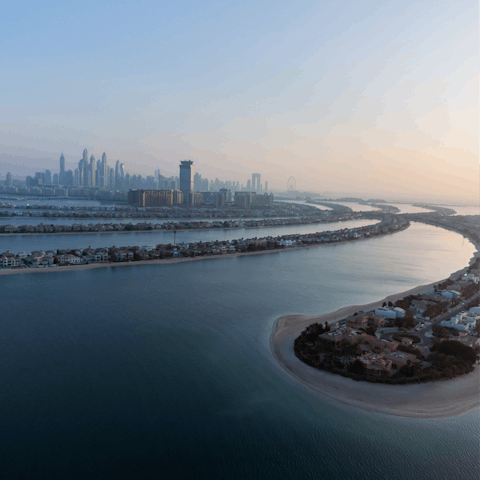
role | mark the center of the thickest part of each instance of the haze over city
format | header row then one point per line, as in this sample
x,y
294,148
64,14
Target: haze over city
x,y
363,98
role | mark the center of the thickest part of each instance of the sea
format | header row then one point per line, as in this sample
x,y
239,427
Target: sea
x,y
165,371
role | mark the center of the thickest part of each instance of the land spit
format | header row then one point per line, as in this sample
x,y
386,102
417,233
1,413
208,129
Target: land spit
x,y
426,400
167,261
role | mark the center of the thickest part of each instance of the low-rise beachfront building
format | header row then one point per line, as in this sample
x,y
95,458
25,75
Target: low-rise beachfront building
x,y
119,255
463,321
9,260
471,277
386,312
382,345
399,312
379,321
36,261
399,359
334,336
376,364
343,334
357,321
475,310
451,294
419,306
363,340
67,259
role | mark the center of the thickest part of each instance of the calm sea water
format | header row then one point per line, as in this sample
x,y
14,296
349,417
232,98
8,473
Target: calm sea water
x,y
28,243
165,371
463,210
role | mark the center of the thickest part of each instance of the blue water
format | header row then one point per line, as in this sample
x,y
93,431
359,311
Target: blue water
x,y
165,371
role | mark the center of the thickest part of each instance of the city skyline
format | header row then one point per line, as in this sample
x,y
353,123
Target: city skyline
x,y
378,100
95,178
92,172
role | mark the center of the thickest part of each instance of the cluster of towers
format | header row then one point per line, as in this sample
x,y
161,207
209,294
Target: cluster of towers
x,y
255,185
92,172
96,173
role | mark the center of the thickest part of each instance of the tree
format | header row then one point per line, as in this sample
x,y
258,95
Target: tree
x,y
357,367
440,332
371,330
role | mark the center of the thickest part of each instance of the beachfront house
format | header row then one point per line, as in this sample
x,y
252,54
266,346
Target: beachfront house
x,y
376,364
357,321
386,312
451,294
67,259
463,321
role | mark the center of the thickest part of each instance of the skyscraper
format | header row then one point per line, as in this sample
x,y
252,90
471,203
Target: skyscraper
x,y
61,177
117,174
105,170
81,172
256,182
186,180
9,181
92,172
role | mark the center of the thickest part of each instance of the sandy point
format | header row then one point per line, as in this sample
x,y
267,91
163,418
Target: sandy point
x,y
426,400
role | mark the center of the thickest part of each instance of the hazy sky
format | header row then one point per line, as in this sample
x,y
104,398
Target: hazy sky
x,y
367,97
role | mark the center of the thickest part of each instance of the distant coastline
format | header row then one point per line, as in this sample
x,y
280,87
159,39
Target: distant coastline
x,y
427,400
171,231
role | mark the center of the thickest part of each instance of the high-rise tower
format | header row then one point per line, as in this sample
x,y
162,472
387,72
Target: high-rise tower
x,y
81,172
117,174
104,170
186,180
92,172
256,182
61,177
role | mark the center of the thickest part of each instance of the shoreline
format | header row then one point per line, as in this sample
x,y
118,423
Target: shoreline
x,y
440,399
167,261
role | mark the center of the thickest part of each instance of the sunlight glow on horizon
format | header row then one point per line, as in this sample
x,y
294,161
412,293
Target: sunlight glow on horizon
x,y
363,98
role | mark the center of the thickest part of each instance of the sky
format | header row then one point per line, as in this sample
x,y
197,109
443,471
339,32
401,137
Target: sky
x,y
372,98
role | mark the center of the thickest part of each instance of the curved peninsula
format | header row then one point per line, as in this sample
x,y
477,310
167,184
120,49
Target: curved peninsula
x,y
428,400
60,260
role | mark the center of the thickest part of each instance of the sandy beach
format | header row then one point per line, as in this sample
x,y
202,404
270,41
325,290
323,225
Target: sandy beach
x,y
426,400
167,261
